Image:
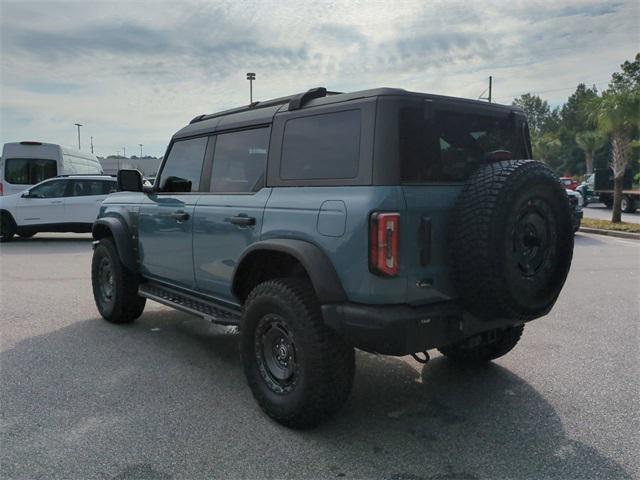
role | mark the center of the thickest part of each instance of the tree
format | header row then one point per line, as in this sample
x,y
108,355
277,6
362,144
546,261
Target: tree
x,y
628,79
617,114
590,141
546,147
539,115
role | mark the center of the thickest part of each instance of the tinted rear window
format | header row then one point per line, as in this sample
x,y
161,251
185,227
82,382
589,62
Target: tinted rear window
x,y
449,145
321,146
28,171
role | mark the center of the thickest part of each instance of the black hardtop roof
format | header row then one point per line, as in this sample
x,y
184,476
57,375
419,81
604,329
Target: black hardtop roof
x,y
263,112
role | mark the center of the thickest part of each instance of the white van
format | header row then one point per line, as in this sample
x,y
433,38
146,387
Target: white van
x,y
26,163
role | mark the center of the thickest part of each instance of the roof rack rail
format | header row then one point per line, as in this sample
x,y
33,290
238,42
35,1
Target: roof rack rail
x,y
298,101
295,102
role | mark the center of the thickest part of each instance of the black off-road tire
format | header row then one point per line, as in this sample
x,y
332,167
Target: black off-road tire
x,y
485,347
118,300
320,365
7,227
512,240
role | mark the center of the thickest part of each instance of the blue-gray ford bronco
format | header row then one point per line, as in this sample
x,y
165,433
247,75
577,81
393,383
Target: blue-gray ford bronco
x,y
384,220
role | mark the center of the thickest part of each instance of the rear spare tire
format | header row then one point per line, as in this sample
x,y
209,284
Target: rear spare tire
x,y
512,240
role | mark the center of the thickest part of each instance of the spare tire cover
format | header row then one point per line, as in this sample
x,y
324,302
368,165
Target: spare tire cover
x,y
512,240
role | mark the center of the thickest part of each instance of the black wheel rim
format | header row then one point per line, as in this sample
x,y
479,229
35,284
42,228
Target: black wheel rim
x,y
105,280
275,352
532,238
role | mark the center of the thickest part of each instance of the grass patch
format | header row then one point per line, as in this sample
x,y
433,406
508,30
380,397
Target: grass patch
x,y
607,225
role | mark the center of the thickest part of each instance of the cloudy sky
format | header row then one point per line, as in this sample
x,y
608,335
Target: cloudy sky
x,y
135,72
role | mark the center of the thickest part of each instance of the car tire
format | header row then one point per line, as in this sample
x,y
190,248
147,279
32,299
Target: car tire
x,y
512,240
485,347
299,371
115,288
7,228
27,235
627,205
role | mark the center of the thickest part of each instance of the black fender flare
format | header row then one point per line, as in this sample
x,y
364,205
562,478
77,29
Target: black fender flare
x,y
319,268
118,230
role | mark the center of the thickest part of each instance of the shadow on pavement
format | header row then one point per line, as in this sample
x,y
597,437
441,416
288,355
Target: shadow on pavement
x,y
166,398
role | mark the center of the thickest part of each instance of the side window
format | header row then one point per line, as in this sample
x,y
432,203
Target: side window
x,y
182,170
240,160
321,146
83,188
52,189
29,171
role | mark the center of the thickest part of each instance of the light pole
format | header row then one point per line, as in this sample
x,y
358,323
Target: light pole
x,y
140,149
124,152
92,144
251,77
78,125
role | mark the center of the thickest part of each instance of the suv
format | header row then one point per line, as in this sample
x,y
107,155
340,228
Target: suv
x,y
385,220
61,204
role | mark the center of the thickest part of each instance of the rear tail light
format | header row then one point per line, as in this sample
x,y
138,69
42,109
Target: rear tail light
x,y
384,240
1,190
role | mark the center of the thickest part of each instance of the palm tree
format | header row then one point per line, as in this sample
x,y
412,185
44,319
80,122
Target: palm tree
x,y
589,142
618,115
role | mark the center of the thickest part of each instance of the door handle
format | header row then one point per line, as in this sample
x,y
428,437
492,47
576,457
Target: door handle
x,y
243,221
56,202
180,216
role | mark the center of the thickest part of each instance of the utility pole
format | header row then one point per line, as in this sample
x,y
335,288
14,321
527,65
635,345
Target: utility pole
x,y
91,144
124,152
490,85
78,125
251,77
140,149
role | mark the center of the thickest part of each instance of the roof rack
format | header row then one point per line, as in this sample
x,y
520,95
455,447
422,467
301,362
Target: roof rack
x,y
295,102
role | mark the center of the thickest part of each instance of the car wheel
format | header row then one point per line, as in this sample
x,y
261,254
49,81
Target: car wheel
x,y
26,235
627,205
512,240
484,347
115,288
299,370
7,228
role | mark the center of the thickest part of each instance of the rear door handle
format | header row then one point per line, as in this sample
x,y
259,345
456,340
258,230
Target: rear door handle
x,y
180,216
56,202
243,221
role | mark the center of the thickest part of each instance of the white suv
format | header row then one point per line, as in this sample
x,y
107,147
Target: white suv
x,y
60,204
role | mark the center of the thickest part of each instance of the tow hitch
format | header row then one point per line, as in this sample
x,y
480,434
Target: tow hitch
x,y
418,359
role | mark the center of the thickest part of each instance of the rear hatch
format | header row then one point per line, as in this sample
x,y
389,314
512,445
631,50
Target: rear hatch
x,y
441,145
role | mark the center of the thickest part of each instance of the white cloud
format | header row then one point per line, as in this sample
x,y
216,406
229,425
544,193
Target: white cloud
x,y
136,72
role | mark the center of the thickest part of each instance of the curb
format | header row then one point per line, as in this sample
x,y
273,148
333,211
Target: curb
x,y
611,233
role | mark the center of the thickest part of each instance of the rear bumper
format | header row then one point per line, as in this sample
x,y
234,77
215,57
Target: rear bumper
x,y
403,329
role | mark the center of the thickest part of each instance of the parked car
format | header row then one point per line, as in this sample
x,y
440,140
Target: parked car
x,y
569,183
576,201
24,164
385,220
586,189
60,204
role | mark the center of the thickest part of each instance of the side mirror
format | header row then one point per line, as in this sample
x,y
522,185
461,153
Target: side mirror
x,y
129,180
26,194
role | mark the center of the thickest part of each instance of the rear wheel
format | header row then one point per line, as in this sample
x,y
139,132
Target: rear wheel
x,y
484,347
7,228
627,205
299,371
27,235
115,288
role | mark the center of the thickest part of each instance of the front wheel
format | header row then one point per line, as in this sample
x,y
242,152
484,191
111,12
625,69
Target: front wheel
x,y
300,372
115,288
484,347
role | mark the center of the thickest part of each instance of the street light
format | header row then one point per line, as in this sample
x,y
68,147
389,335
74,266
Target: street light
x,y
140,149
251,77
78,125
124,152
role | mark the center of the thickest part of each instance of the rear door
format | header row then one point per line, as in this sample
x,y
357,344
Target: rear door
x,y
43,205
442,146
20,173
84,197
166,215
228,216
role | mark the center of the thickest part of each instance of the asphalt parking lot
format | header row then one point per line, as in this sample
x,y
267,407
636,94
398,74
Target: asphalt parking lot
x,y
600,212
165,398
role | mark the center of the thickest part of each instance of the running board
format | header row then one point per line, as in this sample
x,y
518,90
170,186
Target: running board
x,y
207,309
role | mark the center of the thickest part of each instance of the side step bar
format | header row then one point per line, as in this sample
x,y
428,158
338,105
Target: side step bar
x,y
201,307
